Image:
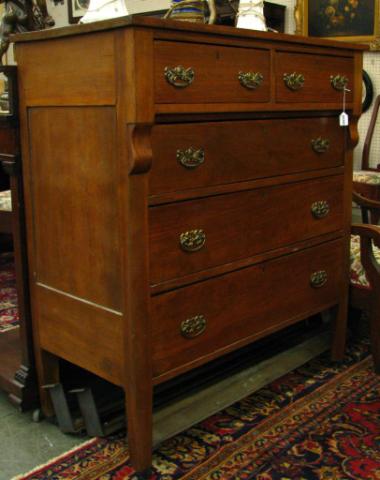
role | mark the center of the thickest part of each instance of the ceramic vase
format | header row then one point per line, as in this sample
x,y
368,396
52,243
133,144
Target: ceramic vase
x,y
186,10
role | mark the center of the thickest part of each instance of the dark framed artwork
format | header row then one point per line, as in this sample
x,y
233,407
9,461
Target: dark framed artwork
x,y
356,21
275,16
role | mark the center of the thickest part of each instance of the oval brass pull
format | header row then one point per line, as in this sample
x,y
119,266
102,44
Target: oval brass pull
x,y
191,157
193,327
294,81
250,80
320,145
339,82
193,240
318,279
320,209
179,76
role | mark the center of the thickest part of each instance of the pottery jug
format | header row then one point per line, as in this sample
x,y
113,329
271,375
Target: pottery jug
x,y
251,15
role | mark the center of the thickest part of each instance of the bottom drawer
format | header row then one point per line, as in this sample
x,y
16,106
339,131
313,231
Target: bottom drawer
x,y
192,323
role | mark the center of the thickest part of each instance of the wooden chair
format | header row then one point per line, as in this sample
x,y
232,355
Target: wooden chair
x,y
17,376
366,181
365,270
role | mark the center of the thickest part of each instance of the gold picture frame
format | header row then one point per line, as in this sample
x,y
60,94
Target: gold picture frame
x,y
356,21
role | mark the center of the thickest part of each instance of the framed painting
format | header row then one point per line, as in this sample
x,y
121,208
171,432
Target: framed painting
x,y
356,21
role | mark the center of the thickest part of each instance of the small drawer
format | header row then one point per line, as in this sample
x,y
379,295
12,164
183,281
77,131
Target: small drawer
x,y
313,78
187,73
196,321
191,236
197,155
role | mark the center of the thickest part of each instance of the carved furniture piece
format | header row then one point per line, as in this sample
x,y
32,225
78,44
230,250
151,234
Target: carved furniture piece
x,y
365,270
366,181
174,212
17,376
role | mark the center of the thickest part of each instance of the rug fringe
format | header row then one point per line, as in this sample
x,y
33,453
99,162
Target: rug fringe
x,y
55,459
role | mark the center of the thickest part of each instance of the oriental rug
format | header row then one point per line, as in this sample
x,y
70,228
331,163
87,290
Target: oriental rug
x,y
9,318
319,422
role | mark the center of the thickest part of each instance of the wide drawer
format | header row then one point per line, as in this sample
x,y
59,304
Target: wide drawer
x,y
203,154
195,235
196,321
193,73
317,73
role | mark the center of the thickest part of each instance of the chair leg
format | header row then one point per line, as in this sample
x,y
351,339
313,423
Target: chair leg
x,y
375,330
339,332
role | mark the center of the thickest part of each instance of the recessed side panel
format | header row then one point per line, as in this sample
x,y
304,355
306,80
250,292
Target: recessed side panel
x,y
73,185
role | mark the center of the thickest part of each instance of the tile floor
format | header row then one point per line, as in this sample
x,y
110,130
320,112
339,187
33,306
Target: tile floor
x,y
25,444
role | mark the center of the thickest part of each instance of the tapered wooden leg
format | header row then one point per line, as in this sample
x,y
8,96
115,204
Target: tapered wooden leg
x,y
339,333
139,418
138,330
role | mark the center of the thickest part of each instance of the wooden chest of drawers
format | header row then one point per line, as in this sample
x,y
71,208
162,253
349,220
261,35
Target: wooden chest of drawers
x,y
188,191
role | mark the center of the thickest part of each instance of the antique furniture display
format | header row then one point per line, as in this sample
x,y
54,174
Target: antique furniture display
x,y
17,376
193,197
366,181
365,270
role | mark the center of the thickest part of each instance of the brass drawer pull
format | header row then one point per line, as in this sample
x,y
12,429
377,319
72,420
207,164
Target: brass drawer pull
x,y
320,145
339,82
193,240
320,209
251,80
193,327
179,76
191,157
318,279
294,81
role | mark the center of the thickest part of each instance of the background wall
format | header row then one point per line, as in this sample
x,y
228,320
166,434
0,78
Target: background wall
x,y
371,64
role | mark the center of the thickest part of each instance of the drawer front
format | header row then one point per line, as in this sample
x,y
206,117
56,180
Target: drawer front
x,y
198,155
309,77
196,235
190,73
195,321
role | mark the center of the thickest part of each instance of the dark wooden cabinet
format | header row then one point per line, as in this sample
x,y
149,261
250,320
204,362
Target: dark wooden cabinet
x,y
188,191
17,372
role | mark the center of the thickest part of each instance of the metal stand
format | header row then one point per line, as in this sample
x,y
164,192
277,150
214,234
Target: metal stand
x,y
103,419
68,421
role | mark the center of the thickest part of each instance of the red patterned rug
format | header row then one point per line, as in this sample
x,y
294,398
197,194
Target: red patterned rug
x,y
8,296
321,421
